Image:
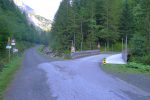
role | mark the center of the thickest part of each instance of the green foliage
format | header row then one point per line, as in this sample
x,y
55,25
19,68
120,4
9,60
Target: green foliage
x,y
14,24
23,45
7,75
138,44
139,67
126,21
141,39
85,21
89,22
131,68
146,59
117,47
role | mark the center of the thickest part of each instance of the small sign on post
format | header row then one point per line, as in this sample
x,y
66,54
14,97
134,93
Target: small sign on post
x,y
13,43
72,49
8,47
15,50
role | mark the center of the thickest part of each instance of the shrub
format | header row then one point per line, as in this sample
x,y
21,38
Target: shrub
x,y
146,59
138,45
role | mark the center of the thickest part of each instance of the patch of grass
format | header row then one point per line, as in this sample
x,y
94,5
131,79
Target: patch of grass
x,y
131,68
40,49
7,74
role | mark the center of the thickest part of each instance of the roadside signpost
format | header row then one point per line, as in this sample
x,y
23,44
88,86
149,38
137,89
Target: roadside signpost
x,y
15,50
72,49
9,48
11,45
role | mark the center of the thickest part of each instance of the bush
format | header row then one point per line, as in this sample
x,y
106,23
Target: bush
x,y
118,47
146,59
138,66
142,59
138,45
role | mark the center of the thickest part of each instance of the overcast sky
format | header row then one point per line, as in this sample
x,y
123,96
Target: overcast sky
x,y
46,8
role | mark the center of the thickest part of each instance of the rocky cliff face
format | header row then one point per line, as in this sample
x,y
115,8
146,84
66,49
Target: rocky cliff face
x,y
38,21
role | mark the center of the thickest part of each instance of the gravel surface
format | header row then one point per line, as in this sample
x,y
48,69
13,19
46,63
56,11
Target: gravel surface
x,y
83,79
30,81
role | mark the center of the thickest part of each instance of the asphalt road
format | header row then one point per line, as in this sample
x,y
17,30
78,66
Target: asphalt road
x,y
30,82
83,79
79,79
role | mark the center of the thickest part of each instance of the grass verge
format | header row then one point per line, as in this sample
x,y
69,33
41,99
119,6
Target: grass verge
x,y
8,73
131,68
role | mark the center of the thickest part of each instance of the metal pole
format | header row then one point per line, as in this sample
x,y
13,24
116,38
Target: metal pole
x,y
122,44
81,46
82,37
126,42
90,46
9,43
105,47
126,47
74,40
112,48
108,45
9,55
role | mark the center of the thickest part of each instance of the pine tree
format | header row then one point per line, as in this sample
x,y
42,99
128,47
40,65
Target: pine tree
x,y
126,21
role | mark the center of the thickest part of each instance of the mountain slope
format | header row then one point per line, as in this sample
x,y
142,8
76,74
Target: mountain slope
x,y
33,18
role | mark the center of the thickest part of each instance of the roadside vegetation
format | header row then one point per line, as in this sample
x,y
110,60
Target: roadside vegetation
x,y
130,68
7,74
15,25
22,46
85,23
9,69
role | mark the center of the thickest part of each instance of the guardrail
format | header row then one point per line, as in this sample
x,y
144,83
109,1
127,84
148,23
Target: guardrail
x,y
84,53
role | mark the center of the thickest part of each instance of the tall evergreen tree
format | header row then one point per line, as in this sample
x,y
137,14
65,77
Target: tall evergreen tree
x,y
126,21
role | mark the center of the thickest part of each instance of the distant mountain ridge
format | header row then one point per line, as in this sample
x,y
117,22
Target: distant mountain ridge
x,y
44,23
33,17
